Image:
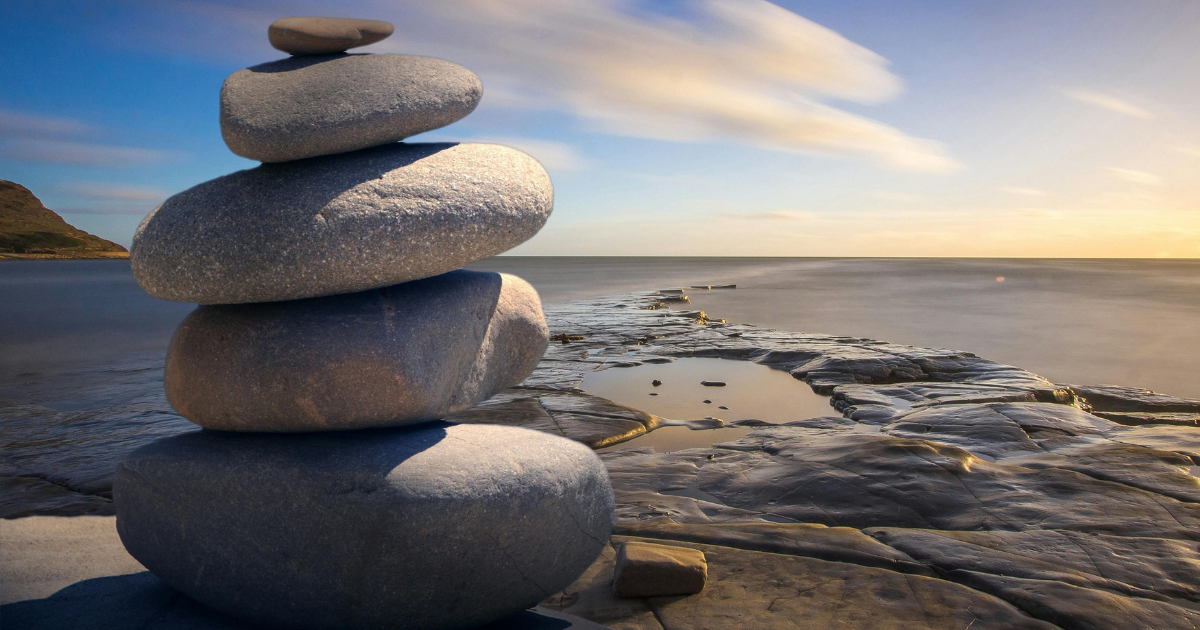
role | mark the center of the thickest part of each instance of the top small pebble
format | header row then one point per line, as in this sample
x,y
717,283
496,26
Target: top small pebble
x,y
324,35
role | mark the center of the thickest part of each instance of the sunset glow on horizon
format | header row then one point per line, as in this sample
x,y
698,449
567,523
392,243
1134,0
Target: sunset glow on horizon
x,y
713,128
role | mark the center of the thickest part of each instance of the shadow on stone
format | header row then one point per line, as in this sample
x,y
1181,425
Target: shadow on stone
x,y
141,601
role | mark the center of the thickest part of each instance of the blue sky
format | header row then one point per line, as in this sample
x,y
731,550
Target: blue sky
x,y
707,127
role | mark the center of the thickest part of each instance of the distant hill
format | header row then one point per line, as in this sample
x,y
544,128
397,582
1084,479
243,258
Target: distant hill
x,y
29,229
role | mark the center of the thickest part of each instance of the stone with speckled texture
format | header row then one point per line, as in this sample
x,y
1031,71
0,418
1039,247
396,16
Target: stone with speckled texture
x,y
302,107
437,526
404,354
340,224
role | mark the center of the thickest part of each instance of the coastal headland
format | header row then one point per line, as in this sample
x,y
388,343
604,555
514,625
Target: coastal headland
x,y
31,231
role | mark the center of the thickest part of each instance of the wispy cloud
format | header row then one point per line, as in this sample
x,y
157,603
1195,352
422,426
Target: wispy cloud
x,y
890,195
742,71
14,124
1024,192
116,199
78,153
1137,177
115,192
1111,103
26,137
555,156
770,215
1187,150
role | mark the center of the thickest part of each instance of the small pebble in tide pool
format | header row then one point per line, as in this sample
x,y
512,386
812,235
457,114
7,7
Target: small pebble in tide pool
x,y
707,402
713,383
656,382
722,407
653,393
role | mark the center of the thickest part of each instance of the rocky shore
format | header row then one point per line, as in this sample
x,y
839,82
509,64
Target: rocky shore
x,y
943,490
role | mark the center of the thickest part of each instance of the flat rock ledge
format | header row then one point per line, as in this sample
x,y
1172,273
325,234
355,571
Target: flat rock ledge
x,y
943,490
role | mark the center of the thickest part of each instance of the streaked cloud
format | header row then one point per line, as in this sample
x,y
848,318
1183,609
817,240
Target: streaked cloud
x,y
555,156
1137,177
770,215
1111,103
1024,192
79,153
115,192
29,137
890,195
1187,150
15,124
740,71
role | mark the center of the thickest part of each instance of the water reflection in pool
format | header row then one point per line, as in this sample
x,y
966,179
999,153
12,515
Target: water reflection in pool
x,y
751,391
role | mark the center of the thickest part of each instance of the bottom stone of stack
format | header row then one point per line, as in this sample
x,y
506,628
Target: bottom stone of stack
x,y
433,526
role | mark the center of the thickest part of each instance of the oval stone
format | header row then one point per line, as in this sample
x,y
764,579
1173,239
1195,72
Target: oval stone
x,y
340,224
322,35
302,107
387,357
437,526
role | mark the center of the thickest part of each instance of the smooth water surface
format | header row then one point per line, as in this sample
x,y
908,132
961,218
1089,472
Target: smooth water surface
x,y
1122,322
81,346
751,392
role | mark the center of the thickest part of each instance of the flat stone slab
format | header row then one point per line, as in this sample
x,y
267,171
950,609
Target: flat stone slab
x,y
400,355
303,107
750,589
439,526
341,224
323,35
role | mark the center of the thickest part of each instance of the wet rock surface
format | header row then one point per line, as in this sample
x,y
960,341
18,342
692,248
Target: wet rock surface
x,y
942,490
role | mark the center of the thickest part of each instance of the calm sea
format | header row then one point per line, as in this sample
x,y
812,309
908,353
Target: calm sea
x,y
1073,321
81,346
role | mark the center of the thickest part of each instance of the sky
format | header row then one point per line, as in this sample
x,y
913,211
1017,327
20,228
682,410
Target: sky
x,y
1018,128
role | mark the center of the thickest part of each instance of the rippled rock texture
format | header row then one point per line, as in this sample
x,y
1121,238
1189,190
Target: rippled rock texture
x,y
950,492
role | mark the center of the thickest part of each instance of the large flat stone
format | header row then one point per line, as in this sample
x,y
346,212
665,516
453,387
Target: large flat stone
x,y
302,107
404,354
340,224
439,526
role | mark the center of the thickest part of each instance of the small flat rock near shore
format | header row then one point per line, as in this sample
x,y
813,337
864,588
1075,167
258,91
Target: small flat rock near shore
x,y
323,35
404,354
652,570
438,526
340,224
302,107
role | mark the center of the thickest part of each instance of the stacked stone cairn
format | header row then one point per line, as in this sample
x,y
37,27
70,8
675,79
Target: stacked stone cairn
x,y
335,329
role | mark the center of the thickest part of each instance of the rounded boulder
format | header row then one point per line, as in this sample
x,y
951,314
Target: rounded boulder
x,y
340,224
400,355
437,526
303,107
